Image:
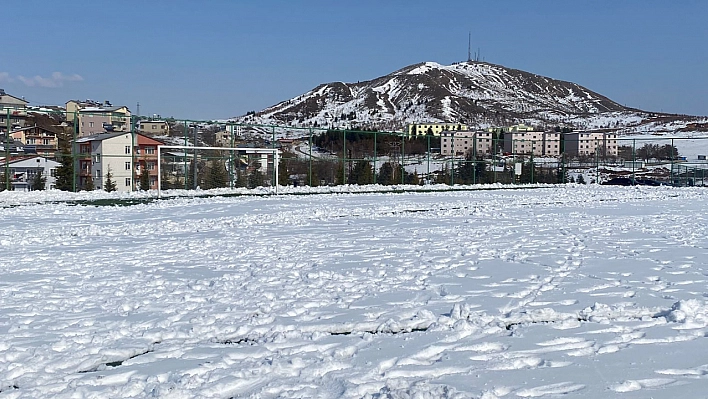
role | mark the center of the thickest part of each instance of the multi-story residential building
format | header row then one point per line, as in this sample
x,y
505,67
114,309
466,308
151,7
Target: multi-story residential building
x,y
146,158
119,154
40,140
436,129
154,127
591,143
24,170
459,143
456,143
523,143
485,143
15,107
552,144
93,117
529,142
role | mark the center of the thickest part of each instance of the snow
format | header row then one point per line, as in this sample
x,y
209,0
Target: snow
x,y
574,291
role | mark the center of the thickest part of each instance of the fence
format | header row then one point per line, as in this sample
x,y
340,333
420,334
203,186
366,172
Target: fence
x,y
113,150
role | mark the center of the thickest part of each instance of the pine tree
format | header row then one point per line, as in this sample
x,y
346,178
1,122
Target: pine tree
x,y
385,174
217,177
109,185
144,178
255,179
340,174
580,179
241,180
283,177
65,172
3,181
412,178
313,178
88,185
39,182
362,173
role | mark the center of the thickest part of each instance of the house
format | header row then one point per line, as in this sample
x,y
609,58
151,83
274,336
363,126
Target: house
x,y
119,153
93,117
154,127
24,169
436,129
13,106
39,140
15,147
591,143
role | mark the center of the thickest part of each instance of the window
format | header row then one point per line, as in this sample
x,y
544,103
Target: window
x,y
150,150
127,149
90,124
151,166
97,158
46,141
127,166
98,173
127,181
52,172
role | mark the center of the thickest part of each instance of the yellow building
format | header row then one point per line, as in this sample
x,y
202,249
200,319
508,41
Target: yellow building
x,y
422,129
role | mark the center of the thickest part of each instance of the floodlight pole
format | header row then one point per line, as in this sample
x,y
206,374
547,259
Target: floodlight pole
x,y
195,156
7,152
159,172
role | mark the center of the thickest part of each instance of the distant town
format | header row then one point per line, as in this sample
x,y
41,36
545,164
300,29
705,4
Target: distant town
x,y
91,145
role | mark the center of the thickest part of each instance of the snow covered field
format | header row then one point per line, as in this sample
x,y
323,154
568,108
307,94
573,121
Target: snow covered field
x,y
587,291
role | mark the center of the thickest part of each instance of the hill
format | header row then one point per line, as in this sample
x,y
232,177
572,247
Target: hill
x,y
475,93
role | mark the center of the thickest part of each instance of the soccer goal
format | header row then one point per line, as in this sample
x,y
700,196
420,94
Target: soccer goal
x,y
192,168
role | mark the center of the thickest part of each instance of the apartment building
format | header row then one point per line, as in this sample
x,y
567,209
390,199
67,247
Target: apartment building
x,y
436,129
459,143
13,106
529,142
119,154
154,127
37,139
94,117
591,143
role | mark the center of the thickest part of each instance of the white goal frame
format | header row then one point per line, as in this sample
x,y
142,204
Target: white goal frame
x,y
274,151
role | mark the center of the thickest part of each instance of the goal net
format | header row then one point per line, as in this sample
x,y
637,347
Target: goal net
x,y
192,168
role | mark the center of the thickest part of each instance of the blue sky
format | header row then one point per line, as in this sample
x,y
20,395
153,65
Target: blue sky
x,y
217,59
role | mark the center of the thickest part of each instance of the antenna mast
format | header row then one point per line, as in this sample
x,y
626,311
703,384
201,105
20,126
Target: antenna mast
x,y
469,47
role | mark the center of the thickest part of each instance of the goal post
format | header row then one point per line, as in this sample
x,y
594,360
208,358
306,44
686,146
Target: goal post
x,y
190,167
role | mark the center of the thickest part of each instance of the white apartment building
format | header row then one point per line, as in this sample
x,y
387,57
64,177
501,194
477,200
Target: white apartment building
x,y
101,153
532,143
587,143
459,143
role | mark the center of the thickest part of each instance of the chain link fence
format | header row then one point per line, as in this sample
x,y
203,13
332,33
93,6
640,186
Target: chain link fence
x,y
85,150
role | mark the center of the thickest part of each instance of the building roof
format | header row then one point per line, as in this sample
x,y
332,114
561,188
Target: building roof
x,y
22,158
34,127
141,139
100,136
103,109
3,94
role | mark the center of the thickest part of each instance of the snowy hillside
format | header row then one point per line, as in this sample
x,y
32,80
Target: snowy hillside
x,y
572,291
478,94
